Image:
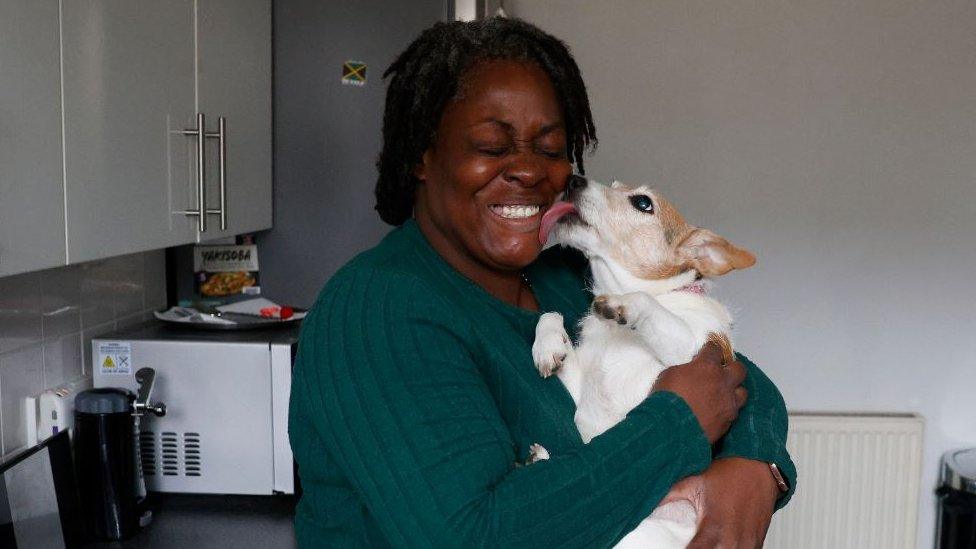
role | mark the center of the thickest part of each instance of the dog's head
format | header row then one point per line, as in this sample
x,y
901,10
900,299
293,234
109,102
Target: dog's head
x,y
636,228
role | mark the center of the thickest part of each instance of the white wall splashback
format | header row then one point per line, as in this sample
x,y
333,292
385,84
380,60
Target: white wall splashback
x,y
47,320
835,139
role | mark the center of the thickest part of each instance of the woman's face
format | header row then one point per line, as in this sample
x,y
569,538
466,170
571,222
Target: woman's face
x,y
497,162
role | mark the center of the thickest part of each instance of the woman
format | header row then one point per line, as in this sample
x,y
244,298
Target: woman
x,y
414,393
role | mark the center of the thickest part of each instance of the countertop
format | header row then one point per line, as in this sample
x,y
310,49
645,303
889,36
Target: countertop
x,y
208,521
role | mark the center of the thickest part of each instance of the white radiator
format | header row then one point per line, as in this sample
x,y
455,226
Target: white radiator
x,y
858,484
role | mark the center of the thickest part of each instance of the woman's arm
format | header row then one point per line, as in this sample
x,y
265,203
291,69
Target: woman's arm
x,y
736,496
760,431
385,381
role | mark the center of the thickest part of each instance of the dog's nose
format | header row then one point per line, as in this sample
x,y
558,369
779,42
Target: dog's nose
x,y
575,183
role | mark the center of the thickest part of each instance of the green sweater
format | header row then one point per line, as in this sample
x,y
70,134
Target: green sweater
x,y
414,396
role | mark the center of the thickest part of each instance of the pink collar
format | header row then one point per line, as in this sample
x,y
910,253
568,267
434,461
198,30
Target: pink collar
x,y
696,287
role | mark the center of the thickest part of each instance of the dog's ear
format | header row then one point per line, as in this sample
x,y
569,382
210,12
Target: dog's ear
x,y
712,255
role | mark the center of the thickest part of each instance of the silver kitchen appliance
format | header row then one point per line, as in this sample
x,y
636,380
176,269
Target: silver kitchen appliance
x,y
226,393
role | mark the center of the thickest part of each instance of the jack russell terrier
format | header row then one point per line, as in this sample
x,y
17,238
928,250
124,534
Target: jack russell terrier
x,y
650,275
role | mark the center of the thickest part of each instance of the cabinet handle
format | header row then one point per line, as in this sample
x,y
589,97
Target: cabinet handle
x,y
221,136
200,132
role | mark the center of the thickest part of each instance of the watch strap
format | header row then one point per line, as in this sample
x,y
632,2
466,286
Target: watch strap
x,y
778,477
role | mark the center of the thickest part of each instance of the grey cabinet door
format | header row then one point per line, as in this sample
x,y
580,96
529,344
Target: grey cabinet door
x,y
234,81
31,186
128,92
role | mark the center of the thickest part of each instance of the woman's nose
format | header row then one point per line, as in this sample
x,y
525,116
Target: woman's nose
x,y
525,169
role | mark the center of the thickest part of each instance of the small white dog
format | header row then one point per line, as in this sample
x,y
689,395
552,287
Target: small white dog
x,y
652,311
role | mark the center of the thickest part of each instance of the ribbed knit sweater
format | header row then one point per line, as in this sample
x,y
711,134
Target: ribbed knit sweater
x,y
414,396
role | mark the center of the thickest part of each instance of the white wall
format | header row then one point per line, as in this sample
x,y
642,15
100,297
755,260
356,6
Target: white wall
x,y
837,140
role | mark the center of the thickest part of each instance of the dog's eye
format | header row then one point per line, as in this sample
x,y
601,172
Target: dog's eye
x,y
643,203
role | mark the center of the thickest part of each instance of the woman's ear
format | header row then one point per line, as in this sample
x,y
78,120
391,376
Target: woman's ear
x,y
420,170
712,255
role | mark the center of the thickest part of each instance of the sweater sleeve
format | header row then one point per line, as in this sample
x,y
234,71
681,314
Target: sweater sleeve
x,y
760,431
386,382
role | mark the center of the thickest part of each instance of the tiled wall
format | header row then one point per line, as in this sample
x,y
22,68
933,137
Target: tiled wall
x,y
47,320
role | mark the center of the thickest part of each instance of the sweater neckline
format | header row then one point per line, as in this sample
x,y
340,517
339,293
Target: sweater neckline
x,y
411,228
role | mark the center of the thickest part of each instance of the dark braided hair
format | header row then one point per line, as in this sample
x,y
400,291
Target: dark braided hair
x,y
426,78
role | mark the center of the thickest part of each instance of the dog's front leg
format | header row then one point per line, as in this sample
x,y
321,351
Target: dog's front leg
x,y
666,333
553,353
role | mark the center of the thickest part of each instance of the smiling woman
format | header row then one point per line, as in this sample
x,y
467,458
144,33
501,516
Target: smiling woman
x,y
415,398
497,162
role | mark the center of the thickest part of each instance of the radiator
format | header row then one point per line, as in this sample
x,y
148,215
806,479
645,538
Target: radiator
x,y
858,483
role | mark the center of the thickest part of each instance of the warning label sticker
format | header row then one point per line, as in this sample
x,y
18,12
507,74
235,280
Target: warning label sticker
x,y
115,357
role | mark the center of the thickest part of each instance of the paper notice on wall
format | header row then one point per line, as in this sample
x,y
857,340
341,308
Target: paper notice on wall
x,y
114,357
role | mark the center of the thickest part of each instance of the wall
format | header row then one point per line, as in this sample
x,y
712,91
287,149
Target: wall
x,y
838,141
327,136
48,318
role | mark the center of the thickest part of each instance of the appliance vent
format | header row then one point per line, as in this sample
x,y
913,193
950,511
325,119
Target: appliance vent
x,y
191,454
147,453
170,454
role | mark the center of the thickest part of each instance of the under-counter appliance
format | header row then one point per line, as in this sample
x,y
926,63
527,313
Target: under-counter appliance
x,y
226,426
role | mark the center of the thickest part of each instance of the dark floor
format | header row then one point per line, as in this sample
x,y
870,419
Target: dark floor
x,y
204,522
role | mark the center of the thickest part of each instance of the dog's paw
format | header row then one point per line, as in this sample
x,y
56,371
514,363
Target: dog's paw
x,y
537,453
552,344
549,353
611,307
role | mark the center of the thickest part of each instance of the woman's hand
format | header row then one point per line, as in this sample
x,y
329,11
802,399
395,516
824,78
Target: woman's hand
x,y
734,499
711,390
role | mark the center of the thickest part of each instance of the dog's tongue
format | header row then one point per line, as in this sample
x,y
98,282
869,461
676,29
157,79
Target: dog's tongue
x,y
552,215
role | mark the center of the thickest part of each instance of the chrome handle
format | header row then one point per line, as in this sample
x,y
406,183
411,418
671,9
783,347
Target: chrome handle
x,y
200,131
145,377
221,136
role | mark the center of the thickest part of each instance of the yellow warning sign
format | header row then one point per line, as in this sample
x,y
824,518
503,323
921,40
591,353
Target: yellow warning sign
x,y
114,357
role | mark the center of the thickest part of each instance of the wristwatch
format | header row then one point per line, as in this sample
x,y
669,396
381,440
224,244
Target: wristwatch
x,y
778,477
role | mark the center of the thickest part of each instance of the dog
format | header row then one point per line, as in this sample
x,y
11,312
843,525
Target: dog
x,y
651,275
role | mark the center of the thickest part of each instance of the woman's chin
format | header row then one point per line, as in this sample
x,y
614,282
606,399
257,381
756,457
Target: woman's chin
x,y
516,253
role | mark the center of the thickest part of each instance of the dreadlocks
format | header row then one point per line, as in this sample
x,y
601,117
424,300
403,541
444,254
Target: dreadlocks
x,y
426,78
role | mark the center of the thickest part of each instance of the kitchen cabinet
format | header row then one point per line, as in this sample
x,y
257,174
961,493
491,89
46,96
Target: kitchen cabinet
x,y
101,103
234,83
139,78
128,78
31,186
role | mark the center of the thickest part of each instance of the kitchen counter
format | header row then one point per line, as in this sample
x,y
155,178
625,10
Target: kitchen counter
x,y
208,521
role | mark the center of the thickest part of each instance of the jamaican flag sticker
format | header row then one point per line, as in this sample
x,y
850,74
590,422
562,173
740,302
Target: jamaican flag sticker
x,y
354,73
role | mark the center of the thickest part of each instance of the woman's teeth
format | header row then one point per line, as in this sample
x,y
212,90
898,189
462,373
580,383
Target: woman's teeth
x,y
516,212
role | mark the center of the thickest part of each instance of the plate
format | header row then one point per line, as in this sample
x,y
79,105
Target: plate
x,y
196,320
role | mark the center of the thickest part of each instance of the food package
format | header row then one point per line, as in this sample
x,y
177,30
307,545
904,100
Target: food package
x,y
222,271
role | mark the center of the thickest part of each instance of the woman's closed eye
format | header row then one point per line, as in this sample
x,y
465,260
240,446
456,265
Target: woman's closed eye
x,y
551,144
494,151
552,152
549,150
